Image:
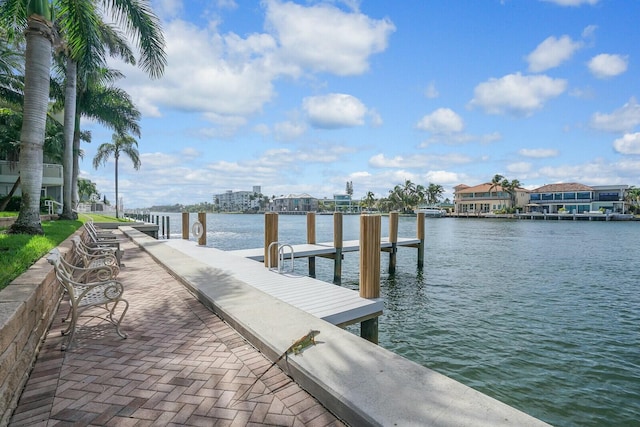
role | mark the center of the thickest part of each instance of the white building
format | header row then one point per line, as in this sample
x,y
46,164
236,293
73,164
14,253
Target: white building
x,y
238,201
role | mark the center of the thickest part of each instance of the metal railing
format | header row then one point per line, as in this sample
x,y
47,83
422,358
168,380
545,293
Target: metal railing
x,y
281,257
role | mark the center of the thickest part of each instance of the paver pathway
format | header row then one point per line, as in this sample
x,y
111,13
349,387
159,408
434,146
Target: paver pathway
x,y
180,365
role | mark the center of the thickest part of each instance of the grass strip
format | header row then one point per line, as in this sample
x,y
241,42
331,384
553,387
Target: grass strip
x,y
18,252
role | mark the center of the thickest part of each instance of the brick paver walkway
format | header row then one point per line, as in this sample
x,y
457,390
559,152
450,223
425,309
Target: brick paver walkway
x,y
180,365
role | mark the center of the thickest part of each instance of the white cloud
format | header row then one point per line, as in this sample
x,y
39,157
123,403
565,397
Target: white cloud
x,y
431,91
441,121
606,65
375,118
287,131
519,167
516,94
167,9
624,119
231,75
628,144
551,53
418,160
324,38
335,110
538,153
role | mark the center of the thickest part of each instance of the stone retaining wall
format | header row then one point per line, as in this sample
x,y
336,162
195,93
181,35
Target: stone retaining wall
x,y
27,306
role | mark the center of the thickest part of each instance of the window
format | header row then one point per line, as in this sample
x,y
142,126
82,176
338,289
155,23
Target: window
x,y
569,196
547,196
535,196
584,195
608,197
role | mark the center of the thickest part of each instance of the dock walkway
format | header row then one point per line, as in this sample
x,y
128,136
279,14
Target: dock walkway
x,y
322,249
334,304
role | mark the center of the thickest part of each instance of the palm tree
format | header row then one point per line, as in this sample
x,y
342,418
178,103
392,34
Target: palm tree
x,y
434,192
632,195
369,199
511,187
120,144
87,189
108,105
39,34
86,36
495,183
134,16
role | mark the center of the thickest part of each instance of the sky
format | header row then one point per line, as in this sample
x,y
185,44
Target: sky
x,y
304,96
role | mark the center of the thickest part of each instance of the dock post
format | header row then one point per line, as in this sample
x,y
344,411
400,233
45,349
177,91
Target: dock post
x,y
311,239
185,225
202,219
393,239
168,229
420,235
270,236
338,244
163,229
370,234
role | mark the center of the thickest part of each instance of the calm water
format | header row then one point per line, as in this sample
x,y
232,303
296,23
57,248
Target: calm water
x,y
542,315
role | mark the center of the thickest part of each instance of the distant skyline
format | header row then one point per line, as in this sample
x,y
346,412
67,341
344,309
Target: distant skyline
x,y
303,96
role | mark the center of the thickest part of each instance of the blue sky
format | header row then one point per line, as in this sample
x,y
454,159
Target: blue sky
x,y
303,96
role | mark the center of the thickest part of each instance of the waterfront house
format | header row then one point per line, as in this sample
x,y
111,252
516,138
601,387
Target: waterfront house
x,y
52,180
295,203
487,198
577,198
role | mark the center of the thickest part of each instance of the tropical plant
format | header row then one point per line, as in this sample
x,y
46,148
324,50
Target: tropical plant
x,y
511,188
120,144
434,193
79,26
369,200
632,195
87,190
86,38
495,183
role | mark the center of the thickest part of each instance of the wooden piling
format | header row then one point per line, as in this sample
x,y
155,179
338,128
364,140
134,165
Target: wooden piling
x,y
370,234
185,225
163,229
311,239
420,237
393,239
270,236
202,219
168,229
338,244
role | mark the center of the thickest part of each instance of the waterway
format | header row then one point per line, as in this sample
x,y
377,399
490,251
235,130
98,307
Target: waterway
x,y
542,315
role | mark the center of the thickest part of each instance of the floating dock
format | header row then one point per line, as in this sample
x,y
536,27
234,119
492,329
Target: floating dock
x,y
326,250
334,304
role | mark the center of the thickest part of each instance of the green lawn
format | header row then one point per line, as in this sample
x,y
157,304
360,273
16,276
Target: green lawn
x,y
19,251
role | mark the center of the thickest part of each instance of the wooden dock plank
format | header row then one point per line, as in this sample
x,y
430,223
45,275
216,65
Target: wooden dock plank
x,y
306,250
337,305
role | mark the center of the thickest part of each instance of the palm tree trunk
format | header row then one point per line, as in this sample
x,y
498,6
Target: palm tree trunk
x,y
117,203
69,129
75,199
36,102
7,199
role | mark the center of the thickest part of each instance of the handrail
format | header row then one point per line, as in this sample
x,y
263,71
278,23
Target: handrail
x,y
281,258
50,203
